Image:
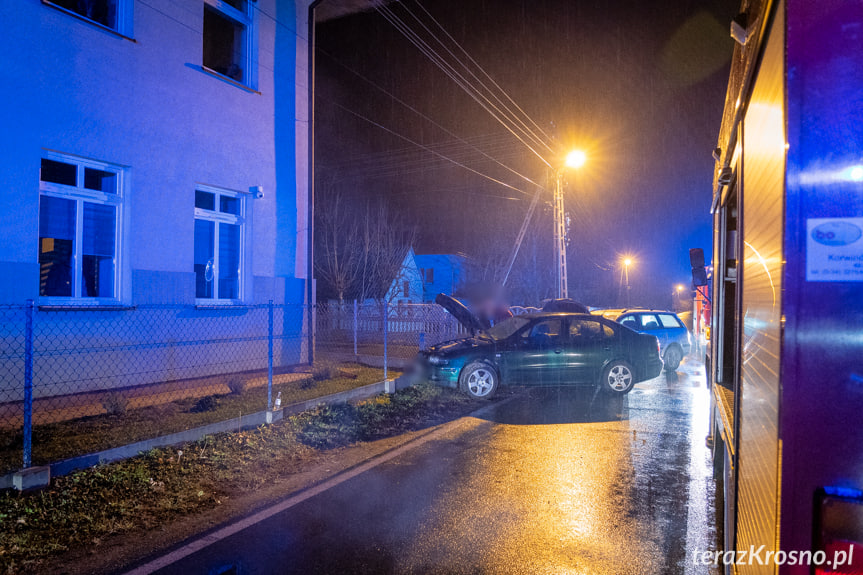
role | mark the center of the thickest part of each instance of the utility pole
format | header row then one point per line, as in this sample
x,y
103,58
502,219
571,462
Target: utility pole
x,y
560,236
626,264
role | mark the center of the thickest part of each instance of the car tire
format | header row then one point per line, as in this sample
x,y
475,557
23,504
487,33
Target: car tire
x,y
478,380
618,378
672,358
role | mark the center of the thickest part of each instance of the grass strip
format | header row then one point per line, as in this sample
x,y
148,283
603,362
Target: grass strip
x,y
58,441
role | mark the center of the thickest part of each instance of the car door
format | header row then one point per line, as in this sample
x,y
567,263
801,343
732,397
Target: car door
x,y
534,355
675,331
591,342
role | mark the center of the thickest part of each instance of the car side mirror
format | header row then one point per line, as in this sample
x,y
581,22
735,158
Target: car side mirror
x,y
699,272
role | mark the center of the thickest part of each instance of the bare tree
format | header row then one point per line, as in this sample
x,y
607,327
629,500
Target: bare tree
x,y
359,247
386,238
337,260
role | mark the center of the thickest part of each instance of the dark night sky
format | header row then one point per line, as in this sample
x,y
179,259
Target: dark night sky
x,y
638,85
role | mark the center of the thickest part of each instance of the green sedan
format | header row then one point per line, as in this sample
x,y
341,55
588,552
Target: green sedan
x,y
541,349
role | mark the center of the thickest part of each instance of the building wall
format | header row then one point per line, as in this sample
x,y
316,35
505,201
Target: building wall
x,y
145,103
410,274
72,87
447,276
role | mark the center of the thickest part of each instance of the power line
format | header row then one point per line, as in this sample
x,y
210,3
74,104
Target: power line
x,y
457,77
526,129
424,116
428,149
486,74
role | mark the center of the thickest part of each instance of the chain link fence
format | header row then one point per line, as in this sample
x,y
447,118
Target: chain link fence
x,y
79,380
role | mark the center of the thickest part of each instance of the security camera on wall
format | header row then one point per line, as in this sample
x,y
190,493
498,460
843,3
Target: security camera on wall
x,y
257,192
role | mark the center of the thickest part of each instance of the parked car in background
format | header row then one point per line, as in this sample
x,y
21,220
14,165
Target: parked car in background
x,y
564,305
674,339
540,349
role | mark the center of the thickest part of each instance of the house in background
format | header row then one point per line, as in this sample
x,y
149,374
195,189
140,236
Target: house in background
x,y
156,153
407,287
441,273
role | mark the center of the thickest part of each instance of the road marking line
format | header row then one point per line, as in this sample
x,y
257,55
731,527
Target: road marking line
x,y
308,493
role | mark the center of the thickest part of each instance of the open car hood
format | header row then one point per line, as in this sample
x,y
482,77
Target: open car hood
x,y
460,312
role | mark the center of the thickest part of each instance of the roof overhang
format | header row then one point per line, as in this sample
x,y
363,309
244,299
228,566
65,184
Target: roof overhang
x,y
332,9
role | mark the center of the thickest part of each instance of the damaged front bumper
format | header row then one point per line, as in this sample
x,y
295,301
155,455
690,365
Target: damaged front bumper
x,y
436,369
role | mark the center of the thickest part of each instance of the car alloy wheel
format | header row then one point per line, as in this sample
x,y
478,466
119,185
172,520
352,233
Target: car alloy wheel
x,y
618,377
479,380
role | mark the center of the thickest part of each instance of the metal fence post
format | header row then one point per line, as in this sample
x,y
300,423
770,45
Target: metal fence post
x,y
28,384
356,311
386,329
270,355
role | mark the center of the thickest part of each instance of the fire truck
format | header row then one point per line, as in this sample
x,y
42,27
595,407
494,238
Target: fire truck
x,y
785,353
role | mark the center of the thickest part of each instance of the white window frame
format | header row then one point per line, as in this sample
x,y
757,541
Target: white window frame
x,y
247,19
219,217
125,10
79,194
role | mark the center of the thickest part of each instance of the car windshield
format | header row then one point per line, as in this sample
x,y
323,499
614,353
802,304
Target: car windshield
x,y
507,327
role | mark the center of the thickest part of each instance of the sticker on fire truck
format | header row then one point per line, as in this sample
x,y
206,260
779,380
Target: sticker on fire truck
x,y
834,249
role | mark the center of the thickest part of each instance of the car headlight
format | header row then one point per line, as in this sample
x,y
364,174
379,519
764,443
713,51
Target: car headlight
x,y
437,360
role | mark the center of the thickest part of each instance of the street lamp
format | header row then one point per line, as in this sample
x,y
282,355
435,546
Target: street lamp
x,y
679,289
626,263
574,160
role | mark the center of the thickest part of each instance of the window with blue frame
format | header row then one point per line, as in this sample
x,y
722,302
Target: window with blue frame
x,y
80,205
218,245
228,39
113,14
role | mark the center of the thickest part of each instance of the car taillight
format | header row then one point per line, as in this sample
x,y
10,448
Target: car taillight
x,y
839,532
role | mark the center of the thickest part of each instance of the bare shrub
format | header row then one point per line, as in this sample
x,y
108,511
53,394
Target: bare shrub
x,y
237,384
206,403
322,371
115,403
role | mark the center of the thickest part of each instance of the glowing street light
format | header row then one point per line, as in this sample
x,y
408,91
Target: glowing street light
x,y
678,289
574,160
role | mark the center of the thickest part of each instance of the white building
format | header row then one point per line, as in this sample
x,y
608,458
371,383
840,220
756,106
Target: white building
x,y
154,152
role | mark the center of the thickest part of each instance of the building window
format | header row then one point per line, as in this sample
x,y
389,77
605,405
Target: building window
x,y
406,289
228,39
429,276
80,207
219,226
113,14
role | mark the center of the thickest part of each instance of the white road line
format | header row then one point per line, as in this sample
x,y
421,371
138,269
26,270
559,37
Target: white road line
x,y
233,528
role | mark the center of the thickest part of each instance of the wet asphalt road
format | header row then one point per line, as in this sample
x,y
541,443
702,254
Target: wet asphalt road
x,y
552,481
